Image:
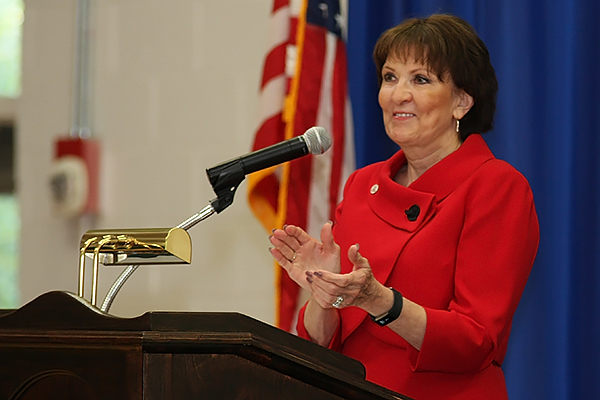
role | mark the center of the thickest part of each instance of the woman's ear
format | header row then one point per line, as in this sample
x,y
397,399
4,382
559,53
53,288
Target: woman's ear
x,y
465,102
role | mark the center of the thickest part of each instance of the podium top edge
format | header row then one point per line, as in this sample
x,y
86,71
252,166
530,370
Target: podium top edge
x,y
66,312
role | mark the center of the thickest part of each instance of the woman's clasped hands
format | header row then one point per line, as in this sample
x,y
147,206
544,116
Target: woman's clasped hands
x,y
315,266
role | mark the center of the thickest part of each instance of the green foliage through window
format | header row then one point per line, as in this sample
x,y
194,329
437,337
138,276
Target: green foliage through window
x,y
11,24
9,252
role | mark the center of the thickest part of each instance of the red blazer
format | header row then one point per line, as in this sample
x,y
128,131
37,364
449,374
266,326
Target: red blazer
x,y
466,259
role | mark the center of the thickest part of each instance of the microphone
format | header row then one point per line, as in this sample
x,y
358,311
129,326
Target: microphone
x,y
316,140
226,177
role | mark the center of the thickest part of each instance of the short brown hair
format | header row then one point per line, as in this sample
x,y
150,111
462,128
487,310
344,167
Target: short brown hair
x,y
447,45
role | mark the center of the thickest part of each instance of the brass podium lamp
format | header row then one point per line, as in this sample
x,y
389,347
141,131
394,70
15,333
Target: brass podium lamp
x,y
135,247
132,247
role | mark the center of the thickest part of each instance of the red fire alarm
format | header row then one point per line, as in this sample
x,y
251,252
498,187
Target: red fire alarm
x,y
75,175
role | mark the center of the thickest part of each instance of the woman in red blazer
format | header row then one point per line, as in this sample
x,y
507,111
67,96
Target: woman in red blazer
x,y
434,246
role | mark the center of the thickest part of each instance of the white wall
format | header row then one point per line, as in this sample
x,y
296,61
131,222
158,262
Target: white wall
x,y
175,89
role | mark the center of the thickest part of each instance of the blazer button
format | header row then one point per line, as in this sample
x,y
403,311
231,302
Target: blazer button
x,y
374,188
413,213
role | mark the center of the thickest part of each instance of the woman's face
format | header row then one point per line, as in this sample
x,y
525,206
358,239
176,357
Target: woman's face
x,y
419,110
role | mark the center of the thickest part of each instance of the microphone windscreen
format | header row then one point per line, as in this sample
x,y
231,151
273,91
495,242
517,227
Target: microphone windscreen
x,y
317,140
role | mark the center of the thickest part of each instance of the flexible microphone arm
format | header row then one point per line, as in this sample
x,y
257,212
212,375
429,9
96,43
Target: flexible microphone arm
x,y
127,272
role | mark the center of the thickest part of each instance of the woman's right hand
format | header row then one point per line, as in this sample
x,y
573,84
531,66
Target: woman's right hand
x,y
297,252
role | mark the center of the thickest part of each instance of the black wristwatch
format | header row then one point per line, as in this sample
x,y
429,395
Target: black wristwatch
x,y
394,312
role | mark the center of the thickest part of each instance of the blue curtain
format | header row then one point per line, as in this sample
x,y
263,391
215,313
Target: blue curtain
x,y
547,59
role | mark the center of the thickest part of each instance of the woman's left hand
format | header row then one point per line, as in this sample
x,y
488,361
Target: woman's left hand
x,y
358,288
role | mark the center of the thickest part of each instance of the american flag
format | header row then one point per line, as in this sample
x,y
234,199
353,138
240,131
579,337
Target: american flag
x,y
304,84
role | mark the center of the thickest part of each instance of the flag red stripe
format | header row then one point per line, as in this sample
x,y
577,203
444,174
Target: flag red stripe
x,y
339,97
274,64
306,117
311,77
277,4
270,132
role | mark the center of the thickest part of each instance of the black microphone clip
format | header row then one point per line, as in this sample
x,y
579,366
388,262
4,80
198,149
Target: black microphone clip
x,y
225,179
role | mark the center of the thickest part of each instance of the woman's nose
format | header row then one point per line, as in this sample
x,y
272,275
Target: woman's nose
x,y
401,94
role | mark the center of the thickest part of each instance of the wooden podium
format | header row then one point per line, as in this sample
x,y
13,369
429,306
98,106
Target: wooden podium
x,y
60,347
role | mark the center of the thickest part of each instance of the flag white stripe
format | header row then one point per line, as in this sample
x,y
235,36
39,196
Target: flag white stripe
x,y
318,201
279,28
272,98
349,164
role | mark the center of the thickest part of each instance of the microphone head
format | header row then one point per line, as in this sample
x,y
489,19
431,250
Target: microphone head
x,y
317,140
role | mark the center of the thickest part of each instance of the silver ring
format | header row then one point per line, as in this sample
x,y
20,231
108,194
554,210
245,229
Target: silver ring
x,y
293,258
338,302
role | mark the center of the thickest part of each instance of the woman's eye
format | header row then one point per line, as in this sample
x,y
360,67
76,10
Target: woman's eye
x,y
420,79
388,77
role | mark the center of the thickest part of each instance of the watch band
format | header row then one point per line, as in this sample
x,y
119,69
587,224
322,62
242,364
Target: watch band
x,y
394,312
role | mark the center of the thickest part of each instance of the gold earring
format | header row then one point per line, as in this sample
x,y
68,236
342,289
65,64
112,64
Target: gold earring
x,y
458,126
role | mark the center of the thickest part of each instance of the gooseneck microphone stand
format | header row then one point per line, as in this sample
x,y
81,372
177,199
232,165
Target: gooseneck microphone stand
x,y
225,179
